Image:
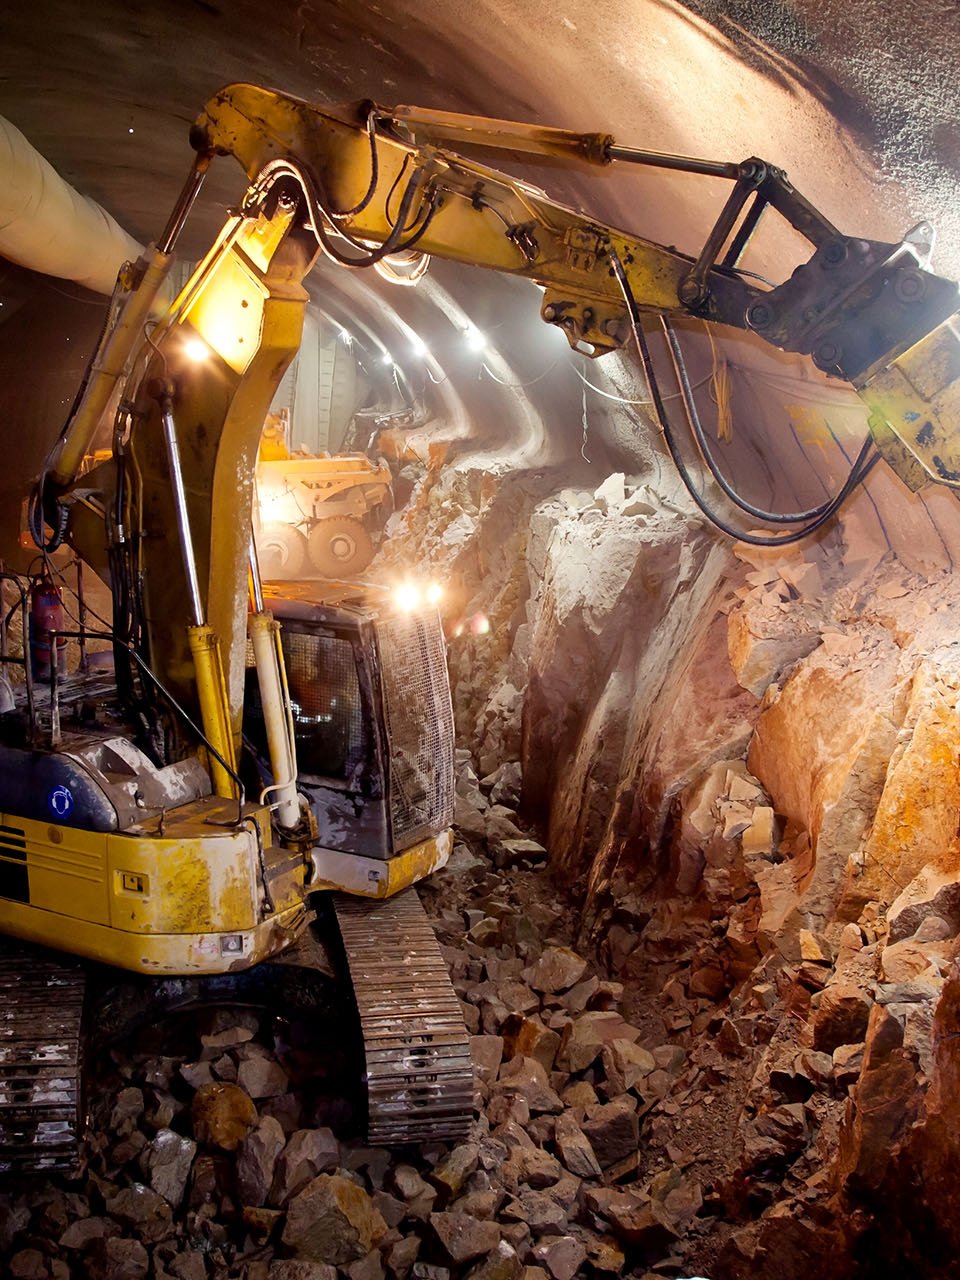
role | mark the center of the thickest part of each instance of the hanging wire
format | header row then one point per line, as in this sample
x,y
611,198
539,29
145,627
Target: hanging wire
x,y
583,443
693,417
790,386
864,463
324,217
517,386
607,395
721,392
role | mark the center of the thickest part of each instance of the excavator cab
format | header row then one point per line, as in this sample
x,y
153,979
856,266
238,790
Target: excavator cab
x,y
373,724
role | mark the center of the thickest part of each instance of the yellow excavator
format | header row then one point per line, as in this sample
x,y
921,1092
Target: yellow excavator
x,y
254,752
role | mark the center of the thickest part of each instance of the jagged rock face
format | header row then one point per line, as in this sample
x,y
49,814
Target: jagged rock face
x,y
748,776
585,643
589,645
614,610
858,745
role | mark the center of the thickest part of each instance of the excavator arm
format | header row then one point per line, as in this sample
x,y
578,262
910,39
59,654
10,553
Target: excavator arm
x,y
866,311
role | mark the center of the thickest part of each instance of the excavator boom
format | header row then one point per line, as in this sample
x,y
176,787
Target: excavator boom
x,y
866,311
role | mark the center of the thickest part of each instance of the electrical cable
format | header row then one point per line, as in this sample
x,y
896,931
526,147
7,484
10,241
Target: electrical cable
x,y
584,423
721,393
674,395
390,193
865,461
517,386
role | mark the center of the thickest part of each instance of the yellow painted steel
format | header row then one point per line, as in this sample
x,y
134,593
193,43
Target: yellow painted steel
x,y
510,135
184,954
379,878
243,309
114,357
489,219
189,900
264,632
918,397
212,695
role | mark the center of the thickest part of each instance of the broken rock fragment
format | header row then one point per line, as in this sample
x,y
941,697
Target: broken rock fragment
x,y
147,1214
464,1237
840,1016
562,1257
116,1258
575,1149
454,1169
775,1136
525,1078
261,1077
529,1038
256,1161
502,1263
487,1054
332,1220
636,1220
166,1163
531,1167
584,1037
613,1131
930,893
557,970
625,1064
223,1114
308,1152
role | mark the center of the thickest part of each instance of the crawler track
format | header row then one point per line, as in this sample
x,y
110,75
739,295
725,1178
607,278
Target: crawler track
x,y
418,1064
41,1016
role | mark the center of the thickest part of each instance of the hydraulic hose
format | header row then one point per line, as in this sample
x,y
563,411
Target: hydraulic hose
x,y
693,417
864,463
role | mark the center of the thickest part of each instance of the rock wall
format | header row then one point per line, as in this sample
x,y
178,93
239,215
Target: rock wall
x,y
743,766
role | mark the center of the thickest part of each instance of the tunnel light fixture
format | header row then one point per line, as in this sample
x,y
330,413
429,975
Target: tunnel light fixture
x,y
433,593
386,358
474,339
346,337
418,346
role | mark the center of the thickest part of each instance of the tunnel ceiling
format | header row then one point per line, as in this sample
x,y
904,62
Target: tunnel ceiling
x,y
855,101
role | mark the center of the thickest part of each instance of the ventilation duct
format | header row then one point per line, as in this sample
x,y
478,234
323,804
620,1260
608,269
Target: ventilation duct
x,y
47,226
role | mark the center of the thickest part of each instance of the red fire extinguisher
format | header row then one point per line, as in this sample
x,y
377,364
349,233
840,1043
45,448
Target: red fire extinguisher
x,y
46,616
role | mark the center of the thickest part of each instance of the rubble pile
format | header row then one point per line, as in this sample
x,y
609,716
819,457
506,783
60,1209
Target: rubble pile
x,y
684,1100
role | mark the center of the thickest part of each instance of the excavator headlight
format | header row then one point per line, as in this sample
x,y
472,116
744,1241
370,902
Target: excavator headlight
x,y
196,349
407,596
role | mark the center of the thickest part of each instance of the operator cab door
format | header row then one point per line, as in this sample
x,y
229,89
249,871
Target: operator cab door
x,y
336,727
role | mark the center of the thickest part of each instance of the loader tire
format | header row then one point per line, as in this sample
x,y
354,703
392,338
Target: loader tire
x,y
282,551
339,547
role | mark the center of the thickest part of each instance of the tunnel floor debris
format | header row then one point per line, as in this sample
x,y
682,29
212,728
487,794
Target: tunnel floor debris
x,y
656,1106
